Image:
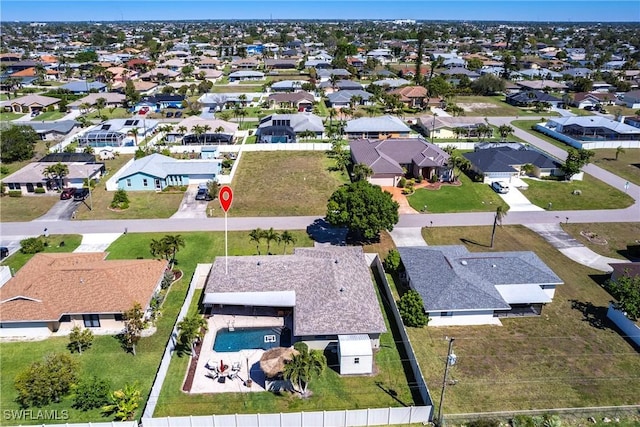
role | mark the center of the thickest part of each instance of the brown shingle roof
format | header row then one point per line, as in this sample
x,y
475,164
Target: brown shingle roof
x,y
51,285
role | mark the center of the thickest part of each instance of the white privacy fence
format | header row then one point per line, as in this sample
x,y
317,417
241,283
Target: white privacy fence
x,y
355,417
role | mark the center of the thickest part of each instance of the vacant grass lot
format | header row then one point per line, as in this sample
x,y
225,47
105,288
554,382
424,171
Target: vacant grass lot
x,y
106,358
469,197
492,106
617,235
567,357
627,166
282,183
595,194
25,208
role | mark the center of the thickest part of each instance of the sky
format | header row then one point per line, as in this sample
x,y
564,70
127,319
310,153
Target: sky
x,y
141,10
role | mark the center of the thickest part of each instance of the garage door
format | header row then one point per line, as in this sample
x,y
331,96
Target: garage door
x,y
383,182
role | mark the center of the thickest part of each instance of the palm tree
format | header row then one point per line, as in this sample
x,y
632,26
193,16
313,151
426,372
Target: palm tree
x,y
197,131
332,114
243,99
361,172
303,368
135,132
256,235
182,129
157,248
501,212
191,328
205,129
100,104
271,235
287,239
242,114
57,172
173,243
505,131
619,151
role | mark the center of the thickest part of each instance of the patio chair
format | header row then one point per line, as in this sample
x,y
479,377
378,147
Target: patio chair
x,y
235,367
212,375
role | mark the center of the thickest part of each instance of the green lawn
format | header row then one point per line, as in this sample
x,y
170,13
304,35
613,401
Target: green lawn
x,y
7,117
110,113
580,111
618,236
298,180
627,166
237,89
526,125
71,242
595,194
49,115
106,358
26,208
469,197
571,356
389,387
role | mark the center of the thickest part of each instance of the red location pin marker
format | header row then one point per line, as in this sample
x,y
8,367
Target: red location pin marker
x,y
226,197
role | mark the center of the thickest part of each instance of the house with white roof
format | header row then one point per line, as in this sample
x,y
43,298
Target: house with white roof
x,y
377,128
591,132
463,288
118,133
156,172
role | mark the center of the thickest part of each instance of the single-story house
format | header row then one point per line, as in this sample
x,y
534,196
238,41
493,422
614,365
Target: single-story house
x,y
118,133
121,74
339,73
51,131
33,103
196,130
245,75
592,129
296,100
160,102
281,64
529,98
377,128
463,288
541,85
288,85
156,172
505,162
589,99
391,83
32,177
411,96
220,101
632,99
328,291
450,127
54,292
84,86
344,98
245,63
284,128
112,99
160,74
390,158
460,71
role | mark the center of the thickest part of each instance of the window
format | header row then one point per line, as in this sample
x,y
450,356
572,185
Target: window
x,y
65,318
356,360
91,320
446,313
118,317
128,182
144,182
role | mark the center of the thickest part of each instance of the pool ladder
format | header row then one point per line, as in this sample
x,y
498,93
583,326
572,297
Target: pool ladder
x,y
231,325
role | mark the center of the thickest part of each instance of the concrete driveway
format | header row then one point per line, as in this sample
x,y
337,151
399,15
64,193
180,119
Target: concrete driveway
x,y
408,236
61,211
190,207
518,202
96,242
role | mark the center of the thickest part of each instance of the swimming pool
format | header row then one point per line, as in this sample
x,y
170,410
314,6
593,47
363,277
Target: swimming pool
x,y
251,338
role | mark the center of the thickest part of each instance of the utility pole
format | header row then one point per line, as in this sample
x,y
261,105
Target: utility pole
x,y
451,360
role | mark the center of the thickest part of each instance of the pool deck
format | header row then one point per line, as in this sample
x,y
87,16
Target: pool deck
x,y
203,383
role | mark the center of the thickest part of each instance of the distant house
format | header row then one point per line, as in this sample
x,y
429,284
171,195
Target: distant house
x,y
450,127
54,292
33,103
463,288
196,130
344,98
590,129
156,172
326,75
346,305
506,162
159,75
588,99
288,86
393,158
159,102
281,64
111,100
32,177
632,99
84,86
411,96
297,100
376,128
541,85
245,75
118,133
285,128
391,83
51,131
530,97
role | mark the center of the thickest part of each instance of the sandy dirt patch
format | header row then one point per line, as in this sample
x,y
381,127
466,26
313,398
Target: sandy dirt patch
x,y
472,106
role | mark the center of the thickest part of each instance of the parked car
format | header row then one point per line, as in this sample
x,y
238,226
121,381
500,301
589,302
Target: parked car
x,y
67,193
178,114
500,187
4,252
589,108
80,194
203,194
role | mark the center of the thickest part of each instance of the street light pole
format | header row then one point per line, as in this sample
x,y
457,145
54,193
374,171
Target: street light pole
x,y
451,359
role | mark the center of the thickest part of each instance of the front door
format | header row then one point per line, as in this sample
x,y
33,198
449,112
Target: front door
x,y
29,187
158,185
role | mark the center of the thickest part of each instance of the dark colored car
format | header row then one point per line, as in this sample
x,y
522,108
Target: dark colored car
x,y
4,252
80,194
203,194
67,193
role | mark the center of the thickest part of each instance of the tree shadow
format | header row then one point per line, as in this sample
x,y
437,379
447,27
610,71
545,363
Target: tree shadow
x,y
323,232
391,392
472,242
632,252
596,316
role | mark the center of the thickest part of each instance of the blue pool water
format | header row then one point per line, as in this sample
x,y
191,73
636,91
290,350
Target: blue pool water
x,y
251,338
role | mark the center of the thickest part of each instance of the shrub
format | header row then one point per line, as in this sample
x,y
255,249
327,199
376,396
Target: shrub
x,y
92,393
120,200
484,423
392,261
301,347
4,170
15,193
32,245
47,381
40,190
419,179
167,279
411,310
402,182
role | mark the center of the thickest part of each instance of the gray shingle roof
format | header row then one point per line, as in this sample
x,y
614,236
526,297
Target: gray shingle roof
x,y
157,165
377,124
83,86
502,159
63,126
344,96
333,287
449,278
386,156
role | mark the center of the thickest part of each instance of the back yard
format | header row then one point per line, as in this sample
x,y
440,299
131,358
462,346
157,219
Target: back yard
x,y
570,356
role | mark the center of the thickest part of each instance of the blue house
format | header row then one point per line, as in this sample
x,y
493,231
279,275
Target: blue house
x,y
156,172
